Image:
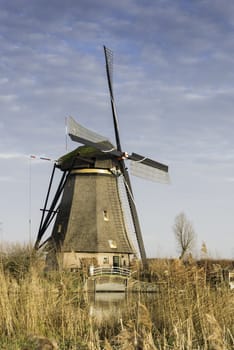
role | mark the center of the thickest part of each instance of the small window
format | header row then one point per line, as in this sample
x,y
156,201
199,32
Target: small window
x,y
59,228
105,215
112,244
106,260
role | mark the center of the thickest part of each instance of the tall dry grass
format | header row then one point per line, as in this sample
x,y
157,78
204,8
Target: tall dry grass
x,y
184,314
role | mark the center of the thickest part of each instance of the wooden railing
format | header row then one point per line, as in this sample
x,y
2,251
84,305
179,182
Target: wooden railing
x,y
100,271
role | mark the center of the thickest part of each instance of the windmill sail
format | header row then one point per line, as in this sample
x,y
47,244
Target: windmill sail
x,y
80,134
109,71
149,173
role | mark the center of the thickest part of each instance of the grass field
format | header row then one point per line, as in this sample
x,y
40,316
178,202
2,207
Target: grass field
x,y
187,313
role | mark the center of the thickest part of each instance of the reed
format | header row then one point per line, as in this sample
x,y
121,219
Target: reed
x,y
54,310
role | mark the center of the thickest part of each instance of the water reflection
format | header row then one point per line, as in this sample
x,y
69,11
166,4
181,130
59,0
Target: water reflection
x,y
112,306
105,306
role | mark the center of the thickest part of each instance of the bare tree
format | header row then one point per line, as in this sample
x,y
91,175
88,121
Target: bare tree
x,y
184,234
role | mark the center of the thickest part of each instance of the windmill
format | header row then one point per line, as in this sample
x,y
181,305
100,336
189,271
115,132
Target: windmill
x,y
90,225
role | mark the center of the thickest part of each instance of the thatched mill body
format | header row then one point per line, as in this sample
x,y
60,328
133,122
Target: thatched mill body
x,y
90,225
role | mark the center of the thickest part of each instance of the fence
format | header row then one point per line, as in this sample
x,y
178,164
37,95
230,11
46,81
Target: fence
x,y
100,271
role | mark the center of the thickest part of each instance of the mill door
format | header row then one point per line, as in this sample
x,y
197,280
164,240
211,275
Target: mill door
x,y
115,261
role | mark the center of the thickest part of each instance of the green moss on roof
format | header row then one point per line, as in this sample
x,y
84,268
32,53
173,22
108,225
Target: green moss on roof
x,y
83,151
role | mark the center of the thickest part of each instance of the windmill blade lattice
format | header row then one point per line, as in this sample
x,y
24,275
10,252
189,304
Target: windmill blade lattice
x,y
109,64
87,137
147,161
149,173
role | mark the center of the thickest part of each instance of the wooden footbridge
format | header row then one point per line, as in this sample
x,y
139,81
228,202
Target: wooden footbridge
x,y
108,279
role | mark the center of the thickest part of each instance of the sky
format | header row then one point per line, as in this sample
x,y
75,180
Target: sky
x,y
174,92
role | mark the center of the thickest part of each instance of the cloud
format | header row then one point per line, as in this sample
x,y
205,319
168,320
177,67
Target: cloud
x,y
6,178
12,155
7,98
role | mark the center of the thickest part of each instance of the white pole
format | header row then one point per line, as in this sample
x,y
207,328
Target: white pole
x,y
30,201
66,134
